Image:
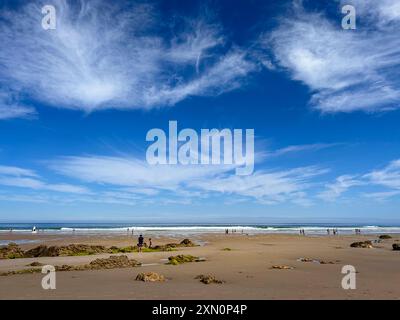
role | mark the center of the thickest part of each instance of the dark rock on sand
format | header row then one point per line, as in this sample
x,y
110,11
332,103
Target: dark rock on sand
x,y
11,251
362,244
69,250
282,267
396,246
113,262
35,264
385,237
208,279
150,277
182,258
187,243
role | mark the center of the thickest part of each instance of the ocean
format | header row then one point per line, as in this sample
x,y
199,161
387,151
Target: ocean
x,y
192,229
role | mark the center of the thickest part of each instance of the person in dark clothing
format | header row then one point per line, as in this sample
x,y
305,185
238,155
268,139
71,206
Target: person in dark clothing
x,y
140,243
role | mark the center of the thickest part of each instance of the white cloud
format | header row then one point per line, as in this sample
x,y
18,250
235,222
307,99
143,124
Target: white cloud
x,y
347,70
101,57
266,187
10,108
188,181
301,148
25,178
387,177
340,186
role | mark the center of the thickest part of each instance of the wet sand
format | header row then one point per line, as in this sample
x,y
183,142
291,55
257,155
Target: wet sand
x,y
246,269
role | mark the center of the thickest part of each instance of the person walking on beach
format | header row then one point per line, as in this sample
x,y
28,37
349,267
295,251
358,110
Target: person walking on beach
x,y
150,243
140,243
328,232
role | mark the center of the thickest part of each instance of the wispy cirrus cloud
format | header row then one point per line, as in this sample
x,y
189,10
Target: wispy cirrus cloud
x,y
189,181
387,177
294,149
346,70
112,55
341,185
10,108
28,179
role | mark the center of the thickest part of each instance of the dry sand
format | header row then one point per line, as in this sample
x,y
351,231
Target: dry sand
x,y
246,270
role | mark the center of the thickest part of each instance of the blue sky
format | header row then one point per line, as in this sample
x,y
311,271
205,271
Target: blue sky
x,y
76,104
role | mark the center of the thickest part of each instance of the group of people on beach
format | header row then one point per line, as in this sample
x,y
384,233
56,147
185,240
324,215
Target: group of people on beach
x,y
357,231
302,232
334,231
233,231
141,243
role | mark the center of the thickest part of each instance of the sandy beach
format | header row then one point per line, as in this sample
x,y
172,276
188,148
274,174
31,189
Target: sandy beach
x,y
243,262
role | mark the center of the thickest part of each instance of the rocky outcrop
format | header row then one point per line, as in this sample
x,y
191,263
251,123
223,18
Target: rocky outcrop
x,y
182,258
150,277
282,267
187,243
385,237
11,251
208,279
113,262
35,264
69,250
396,247
362,244
171,246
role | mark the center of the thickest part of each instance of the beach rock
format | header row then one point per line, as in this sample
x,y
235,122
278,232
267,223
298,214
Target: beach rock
x,y
208,279
65,267
306,260
35,264
282,267
396,246
362,244
327,262
187,243
150,277
69,250
179,259
385,237
113,262
11,251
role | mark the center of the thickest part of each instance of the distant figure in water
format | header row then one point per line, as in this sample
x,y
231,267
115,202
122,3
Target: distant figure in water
x,y
140,243
34,230
150,243
328,232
